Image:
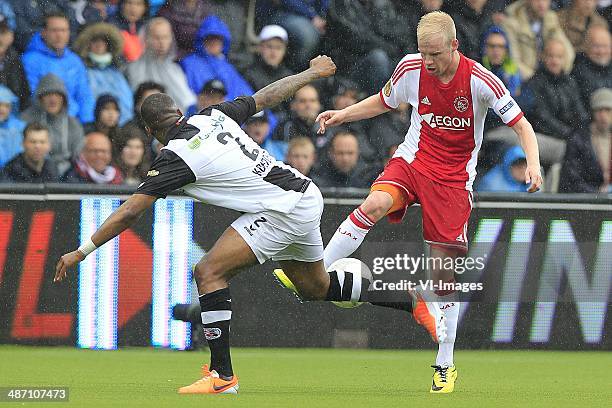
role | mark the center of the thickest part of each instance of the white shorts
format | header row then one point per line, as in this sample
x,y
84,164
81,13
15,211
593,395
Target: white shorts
x,y
282,237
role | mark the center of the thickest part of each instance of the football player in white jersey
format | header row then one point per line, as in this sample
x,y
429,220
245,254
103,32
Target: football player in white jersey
x,y
211,159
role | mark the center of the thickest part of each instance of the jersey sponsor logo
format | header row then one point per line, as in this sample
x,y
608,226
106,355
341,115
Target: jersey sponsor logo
x,y
447,122
212,333
152,173
194,143
425,101
461,103
506,107
255,225
216,125
387,88
446,306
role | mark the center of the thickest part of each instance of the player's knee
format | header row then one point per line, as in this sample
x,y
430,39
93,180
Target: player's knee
x,y
207,273
377,205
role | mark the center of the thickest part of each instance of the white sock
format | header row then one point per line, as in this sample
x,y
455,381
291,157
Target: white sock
x,y
348,237
450,305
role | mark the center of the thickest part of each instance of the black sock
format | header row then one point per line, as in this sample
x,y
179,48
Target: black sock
x,y
335,293
216,315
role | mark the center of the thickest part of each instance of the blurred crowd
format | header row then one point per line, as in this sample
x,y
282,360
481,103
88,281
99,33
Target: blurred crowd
x,y
74,73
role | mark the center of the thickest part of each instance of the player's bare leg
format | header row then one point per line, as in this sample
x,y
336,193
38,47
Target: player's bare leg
x,y
212,273
309,279
223,261
445,372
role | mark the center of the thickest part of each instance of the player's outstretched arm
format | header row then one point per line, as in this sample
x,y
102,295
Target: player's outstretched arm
x,y
273,94
122,218
366,109
529,143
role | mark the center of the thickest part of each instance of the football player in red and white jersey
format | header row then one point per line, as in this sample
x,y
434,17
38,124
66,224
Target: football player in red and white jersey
x,y
436,164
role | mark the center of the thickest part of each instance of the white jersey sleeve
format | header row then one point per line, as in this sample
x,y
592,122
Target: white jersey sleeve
x,y
494,94
403,86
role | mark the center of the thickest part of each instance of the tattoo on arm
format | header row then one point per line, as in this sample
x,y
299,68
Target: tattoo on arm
x,y
282,89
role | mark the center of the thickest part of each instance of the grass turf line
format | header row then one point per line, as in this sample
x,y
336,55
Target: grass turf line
x,y
141,377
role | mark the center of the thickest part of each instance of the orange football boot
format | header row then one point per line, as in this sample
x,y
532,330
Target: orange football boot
x,y
429,315
210,383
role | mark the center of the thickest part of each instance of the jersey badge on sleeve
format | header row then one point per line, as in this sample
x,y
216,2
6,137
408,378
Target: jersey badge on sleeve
x,y
506,107
387,88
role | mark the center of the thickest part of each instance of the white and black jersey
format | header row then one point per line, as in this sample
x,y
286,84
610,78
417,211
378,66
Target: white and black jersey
x,y
211,159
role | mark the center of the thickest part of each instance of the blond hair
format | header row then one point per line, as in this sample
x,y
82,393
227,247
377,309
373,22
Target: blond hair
x,y
436,22
551,41
300,142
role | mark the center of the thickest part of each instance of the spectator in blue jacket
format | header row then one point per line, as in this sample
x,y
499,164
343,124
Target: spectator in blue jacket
x,y
99,46
496,57
30,18
48,53
209,61
509,175
11,127
304,20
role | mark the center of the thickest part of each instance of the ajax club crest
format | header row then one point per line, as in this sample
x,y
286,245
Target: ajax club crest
x,y
461,103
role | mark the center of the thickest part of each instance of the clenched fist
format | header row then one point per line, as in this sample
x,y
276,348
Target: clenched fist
x,y
323,66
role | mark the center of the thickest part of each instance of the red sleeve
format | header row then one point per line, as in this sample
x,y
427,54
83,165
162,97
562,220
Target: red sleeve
x,y
382,99
513,121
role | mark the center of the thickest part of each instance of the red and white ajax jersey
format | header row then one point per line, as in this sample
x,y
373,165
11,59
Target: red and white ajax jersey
x,y
447,120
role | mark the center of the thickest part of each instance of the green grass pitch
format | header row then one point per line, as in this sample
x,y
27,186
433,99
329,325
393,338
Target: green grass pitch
x,y
291,378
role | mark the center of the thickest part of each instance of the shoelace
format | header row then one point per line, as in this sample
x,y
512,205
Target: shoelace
x,y
442,371
205,374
